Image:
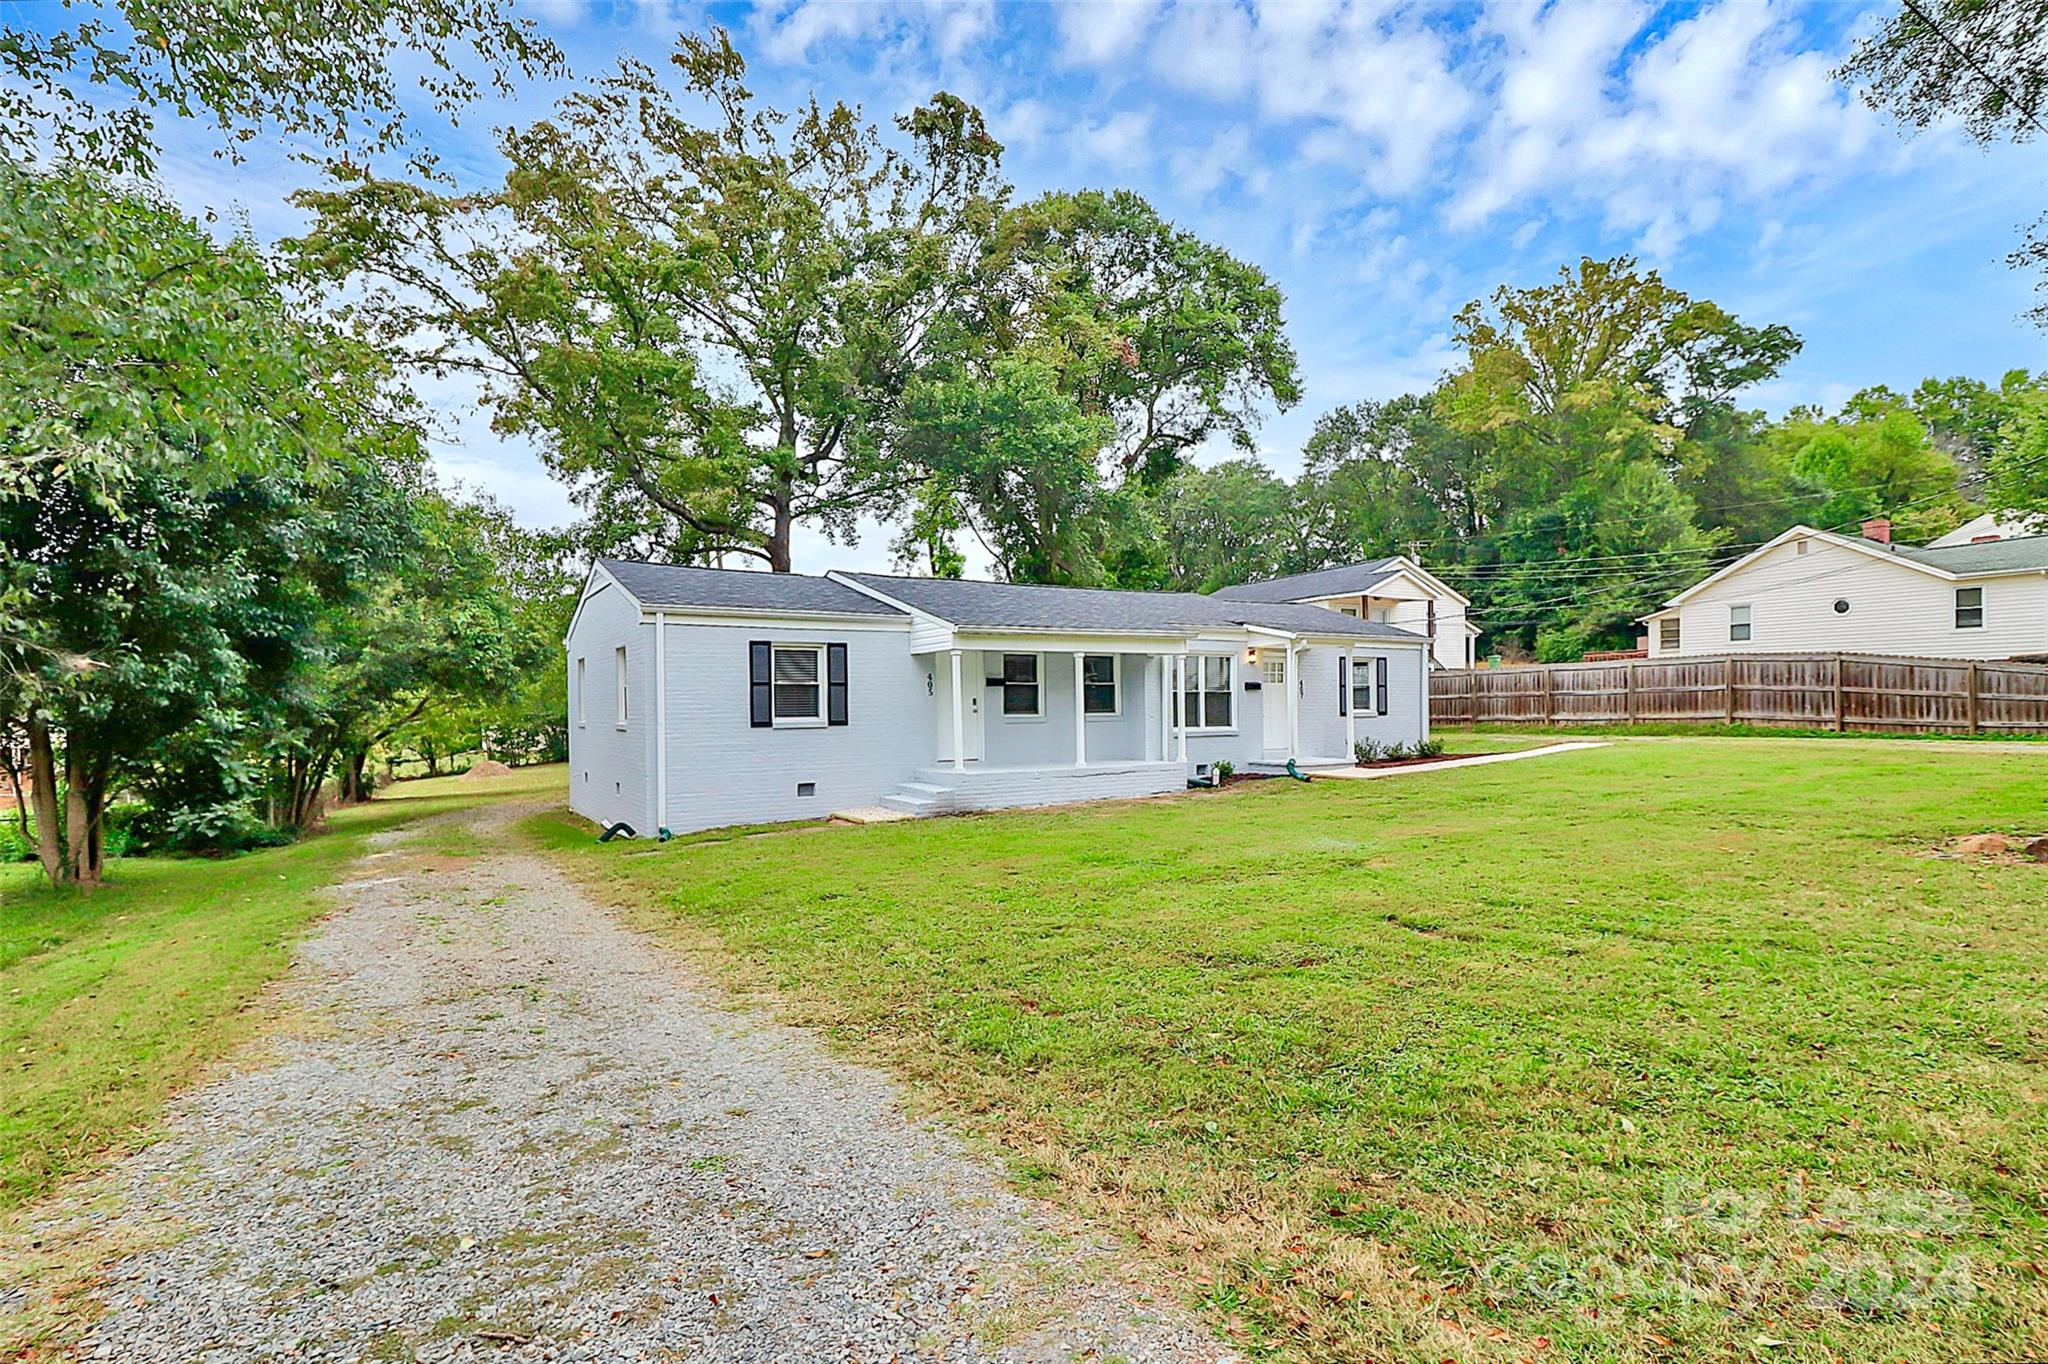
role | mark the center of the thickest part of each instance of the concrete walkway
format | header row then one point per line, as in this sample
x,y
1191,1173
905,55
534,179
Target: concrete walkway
x,y
1479,760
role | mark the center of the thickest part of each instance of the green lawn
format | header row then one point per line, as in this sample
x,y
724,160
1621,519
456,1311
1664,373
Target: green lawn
x,y
1656,1051
110,1003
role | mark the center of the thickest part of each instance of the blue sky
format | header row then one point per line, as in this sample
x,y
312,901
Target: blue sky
x,y
1385,163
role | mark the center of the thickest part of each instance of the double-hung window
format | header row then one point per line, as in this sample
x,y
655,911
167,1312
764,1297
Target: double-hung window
x,y
1361,686
1022,692
1738,624
1969,608
1210,689
625,706
799,684
582,691
1098,684
1667,635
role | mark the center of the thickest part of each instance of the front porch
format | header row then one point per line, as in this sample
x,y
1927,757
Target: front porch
x,y
978,786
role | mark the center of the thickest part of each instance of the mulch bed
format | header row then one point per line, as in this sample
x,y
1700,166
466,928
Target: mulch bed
x,y
1414,762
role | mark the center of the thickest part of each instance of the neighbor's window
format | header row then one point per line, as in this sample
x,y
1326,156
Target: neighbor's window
x,y
1738,623
582,690
1021,694
1969,608
799,687
1667,635
1209,691
625,708
1098,684
1361,686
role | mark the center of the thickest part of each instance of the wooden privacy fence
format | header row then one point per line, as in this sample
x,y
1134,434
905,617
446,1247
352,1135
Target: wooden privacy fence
x,y
1810,691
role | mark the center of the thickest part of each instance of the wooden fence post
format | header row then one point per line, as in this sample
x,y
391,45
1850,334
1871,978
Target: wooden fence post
x,y
1549,702
1728,678
1628,688
1972,711
1841,720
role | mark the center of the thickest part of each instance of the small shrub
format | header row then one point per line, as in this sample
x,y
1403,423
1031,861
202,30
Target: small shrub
x,y
1368,750
1396,752
1430,748
1225,770
15,843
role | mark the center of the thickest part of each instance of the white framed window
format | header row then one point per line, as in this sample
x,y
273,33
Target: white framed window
x,y
1361,686
1210,699
1350,611
625,698
582,691
1667,635
1738,624
799,685
1969,608
1023,689
1101,684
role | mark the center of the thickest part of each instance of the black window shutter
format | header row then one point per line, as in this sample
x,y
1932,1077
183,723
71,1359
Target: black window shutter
x,y
1343,686
760,691
835,684
1379,683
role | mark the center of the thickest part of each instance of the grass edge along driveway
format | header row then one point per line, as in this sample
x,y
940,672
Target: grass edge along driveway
x,y
111,1003
1651,1052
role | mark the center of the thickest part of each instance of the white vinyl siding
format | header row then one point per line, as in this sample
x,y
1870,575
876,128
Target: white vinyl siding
x,y
1893,608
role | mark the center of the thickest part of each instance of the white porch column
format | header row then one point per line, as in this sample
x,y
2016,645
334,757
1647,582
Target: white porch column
x,y
1293,705
1180,704
1165,707
959,719
1350,704
1080,715
660,722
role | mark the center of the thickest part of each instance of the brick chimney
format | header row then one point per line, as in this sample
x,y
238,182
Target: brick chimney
x,y
1878,530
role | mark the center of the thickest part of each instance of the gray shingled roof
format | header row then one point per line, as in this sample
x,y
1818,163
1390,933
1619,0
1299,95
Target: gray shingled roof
x,y
1349,580
735,590
1027,606
2013,555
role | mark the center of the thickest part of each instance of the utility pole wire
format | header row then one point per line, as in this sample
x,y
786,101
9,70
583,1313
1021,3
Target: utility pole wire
x,y
1970,59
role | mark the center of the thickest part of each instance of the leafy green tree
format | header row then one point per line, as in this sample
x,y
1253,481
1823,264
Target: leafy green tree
x,y
704,318
165,412
1874,458
324,68
1983,61
1172,338
1021,455
1233,523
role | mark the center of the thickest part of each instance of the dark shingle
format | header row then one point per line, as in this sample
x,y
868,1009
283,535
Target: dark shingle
x,y
1350,580
2016,554
735,590
1029,606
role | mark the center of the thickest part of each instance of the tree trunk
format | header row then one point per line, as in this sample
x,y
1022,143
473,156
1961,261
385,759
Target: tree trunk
x,y
42,765
355,782
778,542
84,803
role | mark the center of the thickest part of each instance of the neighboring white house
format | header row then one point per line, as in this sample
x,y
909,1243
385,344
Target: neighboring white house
x,y
1816,590
1393,591
704,697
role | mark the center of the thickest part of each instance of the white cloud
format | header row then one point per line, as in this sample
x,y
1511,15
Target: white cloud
x,y
1659,135
1097,32
788,32
1374,82
1123,140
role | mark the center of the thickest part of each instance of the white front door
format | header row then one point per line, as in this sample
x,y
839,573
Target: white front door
x,y
973,694
1273,697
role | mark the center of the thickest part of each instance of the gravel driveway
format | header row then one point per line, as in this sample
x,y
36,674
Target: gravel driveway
x,y
513,1129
